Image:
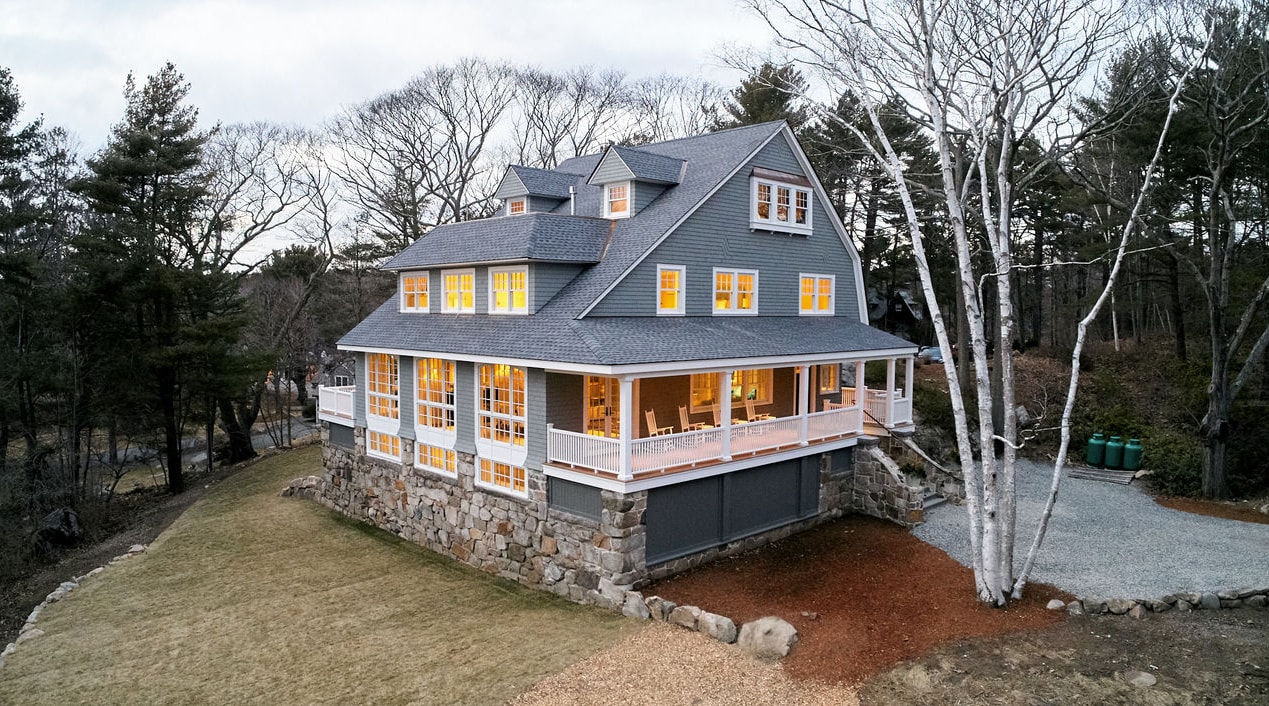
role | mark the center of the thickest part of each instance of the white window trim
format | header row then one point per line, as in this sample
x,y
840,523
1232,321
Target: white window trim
x,y
490,290
681,308
503,452
524,200
832,294
434,469
630,189
445,309
736,404
733,311
428,434
401,292
379,423
494,487
771,223
374,453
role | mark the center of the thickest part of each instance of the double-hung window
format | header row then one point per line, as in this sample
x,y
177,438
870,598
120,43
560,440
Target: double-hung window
x,y
501,422
459,291
617,200
435,395
383,412
509,290
783,205
516,207
735,291
414,292
816,295
754,385
670,279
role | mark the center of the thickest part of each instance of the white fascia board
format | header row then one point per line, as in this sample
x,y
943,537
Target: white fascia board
x,y
669,231
653,369
463,265
836,222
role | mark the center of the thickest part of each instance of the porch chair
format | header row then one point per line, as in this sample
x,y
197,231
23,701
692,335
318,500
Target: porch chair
x,y
687,424
755,416
718,417
653,429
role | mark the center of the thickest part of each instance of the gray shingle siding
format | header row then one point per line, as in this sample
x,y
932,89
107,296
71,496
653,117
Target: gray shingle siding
x,y
545,279
564,406
465,406
359,393
611,169
539,204
535,412
718,235
644,194
405,393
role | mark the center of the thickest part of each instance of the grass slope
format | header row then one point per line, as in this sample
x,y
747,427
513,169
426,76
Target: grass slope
x,y
250,597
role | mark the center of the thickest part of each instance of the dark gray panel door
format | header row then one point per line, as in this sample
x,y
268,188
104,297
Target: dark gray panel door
x,y
760,498
683,519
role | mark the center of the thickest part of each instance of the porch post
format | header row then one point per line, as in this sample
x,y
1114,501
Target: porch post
x,y
804,387
861,392
889,392
626,395
724,411
907,390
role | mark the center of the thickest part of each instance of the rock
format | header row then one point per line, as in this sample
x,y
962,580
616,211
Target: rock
x,y
1264,509
10,649
634,607
1256,602
1170,598
1160,606
94,572
719,627
767,638
1119,606
1235,603
659,607
1228,594
1247,592
1184,606
306,487
1056,604
1075,608
1209,601
1191,598
1138,611
60,527
28,635
1137,677
685,615
1094,606
35,614
138,548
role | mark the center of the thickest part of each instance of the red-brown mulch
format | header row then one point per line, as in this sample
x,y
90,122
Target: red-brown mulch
x,y
1216,508
864,595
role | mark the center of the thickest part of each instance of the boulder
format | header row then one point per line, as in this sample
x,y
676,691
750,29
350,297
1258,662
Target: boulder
x,y
28,635
1184,607
634,607
1056,604
1094,605
1119,606
659,607
1256,602
1138,611
1209,601
685,616
60,528
1160,606
1137,677
719,627
306,487
1075,608
767,638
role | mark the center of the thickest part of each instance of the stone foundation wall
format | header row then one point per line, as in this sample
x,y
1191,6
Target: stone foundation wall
x,y
879,488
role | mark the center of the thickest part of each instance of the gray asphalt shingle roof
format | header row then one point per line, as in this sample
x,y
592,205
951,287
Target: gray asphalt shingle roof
x,y
544,237
645,165
544,182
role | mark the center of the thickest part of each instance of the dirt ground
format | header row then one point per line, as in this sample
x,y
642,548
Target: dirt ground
x,y
1244,510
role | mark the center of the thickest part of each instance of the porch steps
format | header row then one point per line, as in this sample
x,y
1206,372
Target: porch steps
x,y
933,499
1105,475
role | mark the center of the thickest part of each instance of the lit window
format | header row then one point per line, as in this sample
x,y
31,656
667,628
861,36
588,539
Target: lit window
x,y
502,475
735,291
381,390
515,207
670,289
753,385
383,445
816,295
509,290
414,292
459,291
781,206
617,200
435,458
501,413
435,395
828,377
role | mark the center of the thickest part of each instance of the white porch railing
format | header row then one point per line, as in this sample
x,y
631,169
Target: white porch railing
x,y
877,405
658,453
833,422
601,453
335,404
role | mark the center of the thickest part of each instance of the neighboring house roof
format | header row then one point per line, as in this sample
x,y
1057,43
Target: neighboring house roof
x,y
645,165
880,305
529,181
615,341
542,237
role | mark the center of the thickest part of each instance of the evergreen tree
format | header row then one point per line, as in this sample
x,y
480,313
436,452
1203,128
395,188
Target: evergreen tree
x,y
770,93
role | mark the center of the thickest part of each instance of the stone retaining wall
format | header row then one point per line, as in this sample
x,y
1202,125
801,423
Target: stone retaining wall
x,y
1182,602
879,488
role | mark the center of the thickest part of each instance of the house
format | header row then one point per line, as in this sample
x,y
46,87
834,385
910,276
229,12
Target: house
x,y
900,313
632,368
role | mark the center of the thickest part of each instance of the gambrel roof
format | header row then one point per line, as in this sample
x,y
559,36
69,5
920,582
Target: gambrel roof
x,y
540,237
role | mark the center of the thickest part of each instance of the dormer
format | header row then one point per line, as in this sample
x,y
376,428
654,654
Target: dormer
x,y
528,190
631,178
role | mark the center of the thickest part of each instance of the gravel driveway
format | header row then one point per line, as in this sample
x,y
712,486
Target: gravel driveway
x,y
1114,541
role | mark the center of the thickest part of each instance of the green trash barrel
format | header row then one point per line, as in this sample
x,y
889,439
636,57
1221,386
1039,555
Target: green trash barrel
x,y
1096,450
1114,452
1132,455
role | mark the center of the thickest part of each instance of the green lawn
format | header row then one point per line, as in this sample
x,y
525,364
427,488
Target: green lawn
x,y
251,597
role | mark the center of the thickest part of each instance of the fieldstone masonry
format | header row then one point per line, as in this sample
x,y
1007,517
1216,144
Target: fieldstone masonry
x,y
880,489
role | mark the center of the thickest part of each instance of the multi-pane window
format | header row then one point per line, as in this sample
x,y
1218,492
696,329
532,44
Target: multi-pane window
x,y
509,290
816,295
735,291
382,395
670,289
502,475
435,394
501,411
753,385
828,377
781,206
516,207
383,445
459,291
617,200
414,292
437,459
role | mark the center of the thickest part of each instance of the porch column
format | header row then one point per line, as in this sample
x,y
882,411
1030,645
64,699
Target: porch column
x,y
861,391
889,392
724,411
907,390
804,387
625,426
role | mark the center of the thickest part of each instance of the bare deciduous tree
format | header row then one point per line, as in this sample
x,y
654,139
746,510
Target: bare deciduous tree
x,y
558,116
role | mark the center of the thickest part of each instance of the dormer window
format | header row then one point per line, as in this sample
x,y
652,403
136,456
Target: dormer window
x,y
780,202
414,295
516,207
459,295
617,200
509,290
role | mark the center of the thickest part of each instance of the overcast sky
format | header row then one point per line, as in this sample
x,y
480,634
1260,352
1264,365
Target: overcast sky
x,y
299,61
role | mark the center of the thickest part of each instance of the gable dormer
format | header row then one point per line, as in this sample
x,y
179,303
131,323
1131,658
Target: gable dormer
x,y
631,178
529,190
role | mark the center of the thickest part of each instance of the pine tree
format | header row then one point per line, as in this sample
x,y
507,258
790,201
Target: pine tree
x,y
770,93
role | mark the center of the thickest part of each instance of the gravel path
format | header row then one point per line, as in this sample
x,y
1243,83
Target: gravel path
x,y
1114,541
